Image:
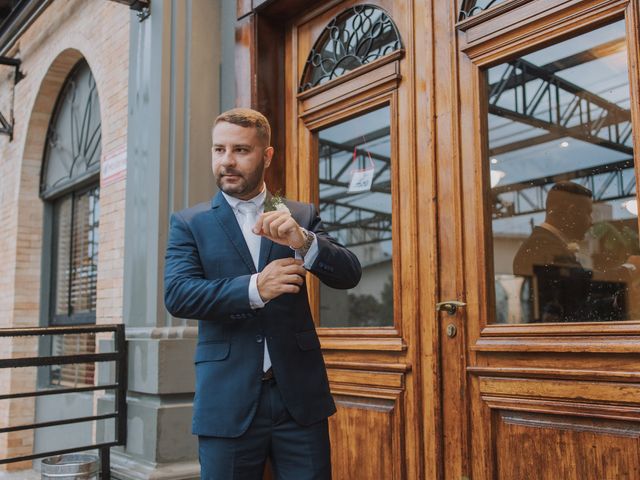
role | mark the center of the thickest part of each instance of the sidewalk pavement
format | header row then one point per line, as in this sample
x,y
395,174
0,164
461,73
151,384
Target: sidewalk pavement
x,y
20,475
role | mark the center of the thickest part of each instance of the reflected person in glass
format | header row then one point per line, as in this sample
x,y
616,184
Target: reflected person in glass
x,y
562,289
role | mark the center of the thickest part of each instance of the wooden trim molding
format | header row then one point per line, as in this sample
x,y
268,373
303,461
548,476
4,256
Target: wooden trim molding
x,y
500,9
558,344
561,390
555,407
362,70
371,366
394,344
556,373
379,81
542,21
563,329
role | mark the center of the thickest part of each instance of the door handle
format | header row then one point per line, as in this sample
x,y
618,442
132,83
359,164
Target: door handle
x,y
450,306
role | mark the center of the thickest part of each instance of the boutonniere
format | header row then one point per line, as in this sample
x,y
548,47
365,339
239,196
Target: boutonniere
x,y
573,247
276,203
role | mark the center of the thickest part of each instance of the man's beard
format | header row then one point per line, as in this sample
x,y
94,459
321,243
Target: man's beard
x,y
246,185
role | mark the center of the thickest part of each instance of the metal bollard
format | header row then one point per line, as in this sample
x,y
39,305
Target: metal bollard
x,y
70,467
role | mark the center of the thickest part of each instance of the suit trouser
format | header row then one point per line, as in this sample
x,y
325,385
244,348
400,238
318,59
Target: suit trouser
x,y
296,452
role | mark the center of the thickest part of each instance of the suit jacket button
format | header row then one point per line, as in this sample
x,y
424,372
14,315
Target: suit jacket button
x,y
259,338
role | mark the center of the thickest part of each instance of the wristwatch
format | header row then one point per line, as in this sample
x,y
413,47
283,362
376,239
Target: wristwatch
x,y
308,240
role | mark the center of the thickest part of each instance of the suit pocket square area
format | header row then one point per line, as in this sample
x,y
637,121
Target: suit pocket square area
x,y
212,352
308,340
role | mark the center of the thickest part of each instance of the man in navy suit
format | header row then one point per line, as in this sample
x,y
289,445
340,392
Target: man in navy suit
x,y
261,383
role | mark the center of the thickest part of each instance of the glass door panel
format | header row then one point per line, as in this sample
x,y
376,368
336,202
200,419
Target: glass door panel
x,y
355,204
563,192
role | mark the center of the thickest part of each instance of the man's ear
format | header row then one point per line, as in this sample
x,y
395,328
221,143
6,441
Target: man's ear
x,y
268,156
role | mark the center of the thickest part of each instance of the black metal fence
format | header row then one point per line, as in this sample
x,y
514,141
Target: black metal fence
x,y
119,356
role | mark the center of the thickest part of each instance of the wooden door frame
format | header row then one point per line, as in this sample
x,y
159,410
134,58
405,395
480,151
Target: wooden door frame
x,y
261,60
482,44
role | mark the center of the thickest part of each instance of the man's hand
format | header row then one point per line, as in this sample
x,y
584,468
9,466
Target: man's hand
x,y
284,275
280,227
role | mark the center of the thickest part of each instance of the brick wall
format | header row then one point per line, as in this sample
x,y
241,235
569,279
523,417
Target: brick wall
x,y
67,31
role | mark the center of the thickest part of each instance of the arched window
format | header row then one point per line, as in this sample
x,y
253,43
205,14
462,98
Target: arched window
x,y
70,188
356,37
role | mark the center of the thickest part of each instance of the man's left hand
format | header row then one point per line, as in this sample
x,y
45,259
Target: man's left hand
x,y
280,227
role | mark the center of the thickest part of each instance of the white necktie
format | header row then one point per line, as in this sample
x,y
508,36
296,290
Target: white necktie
x,y
248,217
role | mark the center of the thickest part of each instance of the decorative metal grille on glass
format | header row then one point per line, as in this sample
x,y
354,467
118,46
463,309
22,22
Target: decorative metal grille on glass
x,y
469,8
360,220
73,146
356,37
563,190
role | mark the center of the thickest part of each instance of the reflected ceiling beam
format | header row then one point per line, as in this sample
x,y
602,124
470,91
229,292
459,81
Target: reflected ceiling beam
x,y
335,147
599,51
598,121
529,196
326,203
556,130
382,187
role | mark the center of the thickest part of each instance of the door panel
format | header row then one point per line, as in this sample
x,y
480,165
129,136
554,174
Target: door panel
x,y
346,60
550,215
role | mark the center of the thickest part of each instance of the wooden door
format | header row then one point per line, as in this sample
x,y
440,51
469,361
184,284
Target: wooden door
x,y
541,368
350,150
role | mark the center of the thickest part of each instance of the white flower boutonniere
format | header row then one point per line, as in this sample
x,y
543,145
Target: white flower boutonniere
x,y
276,203
573,247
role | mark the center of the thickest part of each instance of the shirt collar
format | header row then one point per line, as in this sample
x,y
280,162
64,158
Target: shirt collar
x,y
258,200
556,232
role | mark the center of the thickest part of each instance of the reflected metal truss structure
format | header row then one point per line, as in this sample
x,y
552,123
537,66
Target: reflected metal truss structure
x,y
542,99
586,116
340,211
612,181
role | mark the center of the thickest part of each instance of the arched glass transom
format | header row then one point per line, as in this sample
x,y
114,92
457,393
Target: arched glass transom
x,y
356,37
73,145
469,8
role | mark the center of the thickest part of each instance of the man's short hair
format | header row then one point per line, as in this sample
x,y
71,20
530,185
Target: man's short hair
x,y
565,193
246,117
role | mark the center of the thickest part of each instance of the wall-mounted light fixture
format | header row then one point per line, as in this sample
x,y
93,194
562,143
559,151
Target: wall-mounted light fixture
x,y
143,7
496,176
6,126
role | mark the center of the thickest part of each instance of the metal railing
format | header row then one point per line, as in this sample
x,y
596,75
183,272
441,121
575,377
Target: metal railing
x,y
119,356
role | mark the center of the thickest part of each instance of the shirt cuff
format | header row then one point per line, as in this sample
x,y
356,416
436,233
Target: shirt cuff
x,y
311,255
254,296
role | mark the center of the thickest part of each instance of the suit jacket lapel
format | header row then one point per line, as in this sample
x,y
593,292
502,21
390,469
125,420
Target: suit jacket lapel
x,y
265,243
229,224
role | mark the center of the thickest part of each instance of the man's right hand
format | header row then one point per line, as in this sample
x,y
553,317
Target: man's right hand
x,y
284,275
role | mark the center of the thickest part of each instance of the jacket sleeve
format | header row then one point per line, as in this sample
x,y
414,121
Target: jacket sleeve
x,y
187,293
335,265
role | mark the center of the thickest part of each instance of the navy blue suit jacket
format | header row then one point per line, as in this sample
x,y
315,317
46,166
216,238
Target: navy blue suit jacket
x,y
207,272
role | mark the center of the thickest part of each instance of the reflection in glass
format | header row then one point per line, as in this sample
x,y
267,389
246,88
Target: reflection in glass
x,y
359,216
561,164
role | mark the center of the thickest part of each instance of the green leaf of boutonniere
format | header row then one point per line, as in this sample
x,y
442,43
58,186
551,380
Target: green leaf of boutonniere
x,y
275,203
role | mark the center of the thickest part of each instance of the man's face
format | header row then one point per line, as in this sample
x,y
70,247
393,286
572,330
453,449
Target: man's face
x,y
239,159
579,217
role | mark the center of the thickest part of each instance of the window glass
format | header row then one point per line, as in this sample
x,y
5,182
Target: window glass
x,y
563,193
76,244
355,206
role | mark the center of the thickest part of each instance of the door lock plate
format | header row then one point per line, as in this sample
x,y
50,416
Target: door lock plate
x,y
452,331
